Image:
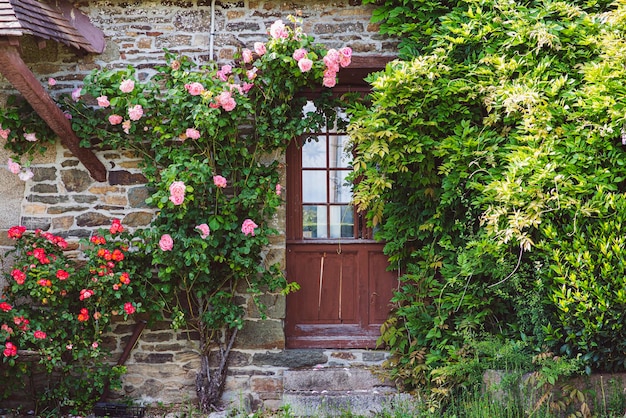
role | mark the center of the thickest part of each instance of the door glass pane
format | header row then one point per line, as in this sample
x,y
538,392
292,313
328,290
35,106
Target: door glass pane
x,y
314,186
314,153
314,221
340,188
339,157
341,222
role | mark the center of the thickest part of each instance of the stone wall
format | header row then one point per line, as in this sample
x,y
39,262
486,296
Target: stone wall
x,y
63,199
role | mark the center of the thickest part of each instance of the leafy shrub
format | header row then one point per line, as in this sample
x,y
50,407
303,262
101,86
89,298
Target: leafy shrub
x,y
58,307
493,162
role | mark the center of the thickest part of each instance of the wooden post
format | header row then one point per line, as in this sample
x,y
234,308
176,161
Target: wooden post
x,y
19,75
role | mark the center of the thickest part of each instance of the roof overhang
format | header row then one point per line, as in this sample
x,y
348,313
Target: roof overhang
x,y
59,21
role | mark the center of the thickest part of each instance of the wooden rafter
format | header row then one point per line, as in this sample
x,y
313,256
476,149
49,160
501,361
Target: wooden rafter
x,y
60,22
19,75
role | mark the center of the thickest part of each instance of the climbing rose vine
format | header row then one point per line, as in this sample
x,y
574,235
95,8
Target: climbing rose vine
x,y
208,137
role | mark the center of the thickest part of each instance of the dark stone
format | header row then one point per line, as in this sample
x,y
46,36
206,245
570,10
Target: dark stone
x,y
76,233
76,180
44,173
124,177
374,356
55,210
189,335
50,200
338,28
84,199
137,197
138,219
44,188
175,3
167,347
243,27
36,223
108,208
93,219
69,163
153,358
156,337
290,358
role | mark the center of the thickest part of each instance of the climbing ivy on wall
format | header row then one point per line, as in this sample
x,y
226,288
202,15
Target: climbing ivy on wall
x,y
492,159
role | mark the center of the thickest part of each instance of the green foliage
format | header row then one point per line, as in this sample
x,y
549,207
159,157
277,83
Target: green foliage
x,y
493,163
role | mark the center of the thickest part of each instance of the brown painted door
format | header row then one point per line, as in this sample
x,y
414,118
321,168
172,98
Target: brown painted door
x,y
345,287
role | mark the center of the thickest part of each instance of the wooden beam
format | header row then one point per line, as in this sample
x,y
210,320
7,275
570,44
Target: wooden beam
x,y
19,75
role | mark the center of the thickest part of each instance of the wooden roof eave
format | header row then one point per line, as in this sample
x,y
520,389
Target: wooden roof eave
x,y
15,70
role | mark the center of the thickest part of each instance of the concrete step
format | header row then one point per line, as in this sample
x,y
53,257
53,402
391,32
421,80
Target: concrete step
x,y
324,392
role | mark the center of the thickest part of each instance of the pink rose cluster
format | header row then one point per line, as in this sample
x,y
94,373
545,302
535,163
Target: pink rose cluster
x,y
177,192
224,100
278,30
195,89
24,174
333,60
304,63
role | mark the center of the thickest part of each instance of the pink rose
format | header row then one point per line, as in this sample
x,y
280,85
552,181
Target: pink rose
x,y
76,94
279,189
248,227
246,87
226,101
26,175
195,89
251,74
345,56
166,243
103,101
177,192
298,54
329,82
52,82
4,133
14,167
67,115
259,48
192,133
229,104
126,86
204,230
305,64
278,30
135,112
40,335
219,181
246,56
115,119
31,137
129,308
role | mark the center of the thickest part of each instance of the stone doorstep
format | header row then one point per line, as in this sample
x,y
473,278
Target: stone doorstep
x,y
332,379
333,390
335,403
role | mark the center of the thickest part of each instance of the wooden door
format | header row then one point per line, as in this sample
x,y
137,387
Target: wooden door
x,y
345,287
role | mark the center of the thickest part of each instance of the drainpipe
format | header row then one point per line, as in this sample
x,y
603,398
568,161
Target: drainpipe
x,y
212,34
